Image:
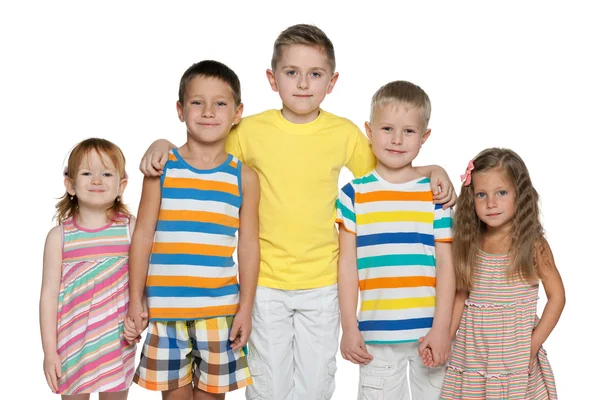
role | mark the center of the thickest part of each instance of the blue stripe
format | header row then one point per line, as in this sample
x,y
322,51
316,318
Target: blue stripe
x,y
398,325
192,226
191,259
183,291
438,206
196,194
395,238
346,212
442,223
425,180
348,190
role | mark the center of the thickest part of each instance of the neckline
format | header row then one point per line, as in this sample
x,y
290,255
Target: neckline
x,y
494,255
81,228
398,186
202,171
292,127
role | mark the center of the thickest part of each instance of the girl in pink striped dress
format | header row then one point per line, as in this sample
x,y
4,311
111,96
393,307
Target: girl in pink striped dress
x,y
500,256
84,296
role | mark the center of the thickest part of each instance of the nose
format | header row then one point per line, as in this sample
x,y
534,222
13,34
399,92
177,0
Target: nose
x,y
397,138
97,180
208,111
491,202
302,82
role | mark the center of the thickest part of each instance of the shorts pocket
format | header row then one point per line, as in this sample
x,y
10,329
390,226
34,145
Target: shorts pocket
x,y
436,376
256,391
329,388
371,388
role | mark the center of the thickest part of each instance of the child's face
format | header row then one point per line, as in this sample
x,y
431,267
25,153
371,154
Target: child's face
x,y
302,77
397,132
494,198
97,182
209,109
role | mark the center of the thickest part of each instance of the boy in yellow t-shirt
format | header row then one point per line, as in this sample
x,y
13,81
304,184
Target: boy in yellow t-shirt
x,y
298,153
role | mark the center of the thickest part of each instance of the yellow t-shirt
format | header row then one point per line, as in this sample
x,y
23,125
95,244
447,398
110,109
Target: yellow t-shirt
x,y
299,166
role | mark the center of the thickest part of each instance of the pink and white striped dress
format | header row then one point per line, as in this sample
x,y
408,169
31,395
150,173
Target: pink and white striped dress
x,y
92,305
490,358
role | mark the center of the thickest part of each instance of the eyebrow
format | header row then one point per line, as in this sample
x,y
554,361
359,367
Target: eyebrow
x,y
310,68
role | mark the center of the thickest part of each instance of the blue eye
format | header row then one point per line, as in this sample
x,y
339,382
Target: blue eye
x,y
316,74
480,195
221,103
291,73
107,174
502,192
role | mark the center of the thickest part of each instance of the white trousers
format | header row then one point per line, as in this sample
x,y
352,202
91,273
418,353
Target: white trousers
x,y
387,376
293,344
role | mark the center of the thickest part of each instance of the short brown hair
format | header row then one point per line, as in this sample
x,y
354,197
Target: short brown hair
x,y
211,69
303,34
402,92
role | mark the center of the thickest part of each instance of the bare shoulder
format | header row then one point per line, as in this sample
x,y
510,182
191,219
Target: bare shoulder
x,y
249,177
54,235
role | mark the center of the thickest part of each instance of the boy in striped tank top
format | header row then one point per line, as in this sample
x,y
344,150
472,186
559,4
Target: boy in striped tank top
x,y
182,252
395,246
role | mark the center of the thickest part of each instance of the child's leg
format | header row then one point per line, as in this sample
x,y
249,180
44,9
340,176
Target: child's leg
x,y
200,395
270,347
84,396
425,383
316,334
114,395
181,393
386,376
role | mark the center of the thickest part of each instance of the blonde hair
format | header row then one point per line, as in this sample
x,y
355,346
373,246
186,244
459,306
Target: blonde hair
x,y
526,231
402,92
67,208
303,34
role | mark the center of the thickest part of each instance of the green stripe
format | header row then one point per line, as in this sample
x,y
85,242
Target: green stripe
x,y
346,213
397,260
445,222
91,347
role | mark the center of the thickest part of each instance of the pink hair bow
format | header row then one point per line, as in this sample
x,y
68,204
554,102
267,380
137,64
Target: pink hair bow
x,y
466,177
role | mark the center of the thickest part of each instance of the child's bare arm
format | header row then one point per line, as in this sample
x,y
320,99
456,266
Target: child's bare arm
x,y
51,278
457,311
248,256
441,185
555,293
156,157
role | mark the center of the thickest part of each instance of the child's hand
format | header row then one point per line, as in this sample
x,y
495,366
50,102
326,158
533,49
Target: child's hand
x,y
129,331
353,347
438,342
52,370
427,356
240,330
138,313
533,355
442,188
155,158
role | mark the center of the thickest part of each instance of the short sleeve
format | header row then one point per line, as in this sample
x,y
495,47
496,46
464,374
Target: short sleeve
x,y
232,146
362,160
346,216
442,224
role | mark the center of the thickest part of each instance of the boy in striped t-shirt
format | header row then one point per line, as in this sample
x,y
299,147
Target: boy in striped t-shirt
x,y
395,246
182,250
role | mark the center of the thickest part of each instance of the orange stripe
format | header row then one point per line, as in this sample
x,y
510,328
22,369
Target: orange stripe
x,y
393,196
172,157
447,240
198,216
193,248
233,163
339,221
399,282
200,184
189,281
192,313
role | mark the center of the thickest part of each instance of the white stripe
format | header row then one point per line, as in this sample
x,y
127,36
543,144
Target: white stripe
x,y
411,187
392,227
397,293
188,270
395,271
200,205
195,238
398,205
405,313
192,302
214,176
394,248
389,336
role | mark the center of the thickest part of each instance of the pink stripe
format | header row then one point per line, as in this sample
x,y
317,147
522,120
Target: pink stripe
x,y
90,367
96,250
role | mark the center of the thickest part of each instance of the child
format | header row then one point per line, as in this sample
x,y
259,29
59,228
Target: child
x,y
84,293
500,255
200,317
298,152
395,246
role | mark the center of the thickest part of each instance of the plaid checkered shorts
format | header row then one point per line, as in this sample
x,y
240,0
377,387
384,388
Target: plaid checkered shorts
x,y
175,351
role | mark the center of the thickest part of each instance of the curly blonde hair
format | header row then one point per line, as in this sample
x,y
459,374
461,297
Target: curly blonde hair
x,y
67,207
526,232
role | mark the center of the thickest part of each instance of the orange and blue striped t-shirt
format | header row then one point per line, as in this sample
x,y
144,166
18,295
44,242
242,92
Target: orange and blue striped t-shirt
x,y
192,273
396,227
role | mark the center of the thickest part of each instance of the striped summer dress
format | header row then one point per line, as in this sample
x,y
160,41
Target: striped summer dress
x,y
396,227
92,305
490,359
192,273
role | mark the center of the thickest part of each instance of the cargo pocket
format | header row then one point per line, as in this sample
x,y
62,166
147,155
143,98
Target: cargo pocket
x,y
256,391
436,377
329,387
371,388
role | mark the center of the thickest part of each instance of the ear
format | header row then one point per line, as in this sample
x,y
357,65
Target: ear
x,y
332,82
179,110
368,130
122,186
272,80
425,136
69,186
238,114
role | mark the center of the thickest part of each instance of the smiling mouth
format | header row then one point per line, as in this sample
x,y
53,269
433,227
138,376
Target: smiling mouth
x,y
304,96
493,215
396,151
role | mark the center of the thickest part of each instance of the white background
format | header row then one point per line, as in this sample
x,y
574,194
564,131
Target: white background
x,y
517,75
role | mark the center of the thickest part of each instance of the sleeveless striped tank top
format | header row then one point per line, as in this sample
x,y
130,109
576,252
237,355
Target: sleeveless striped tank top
x,y
192,273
